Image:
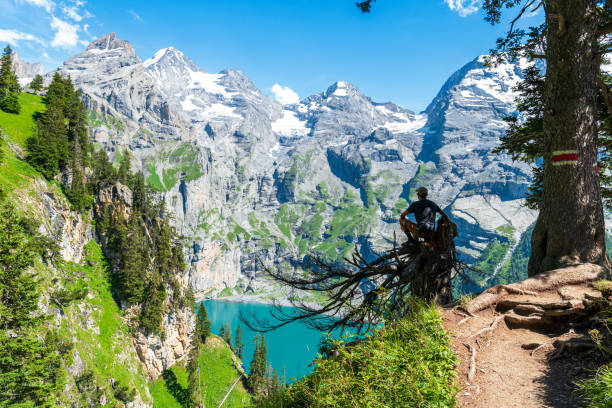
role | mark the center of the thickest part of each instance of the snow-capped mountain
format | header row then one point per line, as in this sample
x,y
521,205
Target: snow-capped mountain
x,y
247,177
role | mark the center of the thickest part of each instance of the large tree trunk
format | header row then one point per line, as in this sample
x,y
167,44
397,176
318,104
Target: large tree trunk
x,y
570,228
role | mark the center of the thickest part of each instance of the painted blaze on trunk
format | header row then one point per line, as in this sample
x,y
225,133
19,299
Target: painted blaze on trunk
x,y
570,228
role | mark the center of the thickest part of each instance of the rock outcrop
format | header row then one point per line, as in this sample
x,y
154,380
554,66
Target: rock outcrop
x,y
26,71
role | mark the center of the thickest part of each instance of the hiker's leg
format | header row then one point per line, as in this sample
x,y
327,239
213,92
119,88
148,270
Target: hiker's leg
x,y
410,229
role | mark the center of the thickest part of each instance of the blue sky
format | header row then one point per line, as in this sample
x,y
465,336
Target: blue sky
x,y
402,52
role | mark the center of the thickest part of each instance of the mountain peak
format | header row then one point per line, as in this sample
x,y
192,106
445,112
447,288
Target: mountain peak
x,y
110,42
341,88
169,53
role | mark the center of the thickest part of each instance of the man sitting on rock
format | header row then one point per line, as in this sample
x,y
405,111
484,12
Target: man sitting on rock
x,y
424,212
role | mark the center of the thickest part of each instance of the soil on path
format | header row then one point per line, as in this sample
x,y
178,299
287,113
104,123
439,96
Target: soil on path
x,y
508,375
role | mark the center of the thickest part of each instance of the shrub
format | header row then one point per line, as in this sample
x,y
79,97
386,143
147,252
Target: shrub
x,y
597,391
406,363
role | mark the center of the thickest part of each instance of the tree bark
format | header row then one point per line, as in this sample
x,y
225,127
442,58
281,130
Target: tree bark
x,y
570,227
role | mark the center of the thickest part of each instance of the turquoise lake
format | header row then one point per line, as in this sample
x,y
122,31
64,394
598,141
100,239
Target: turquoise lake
x,y
293,346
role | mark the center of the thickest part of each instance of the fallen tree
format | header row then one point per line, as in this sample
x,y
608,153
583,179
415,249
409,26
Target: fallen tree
x,y
364,293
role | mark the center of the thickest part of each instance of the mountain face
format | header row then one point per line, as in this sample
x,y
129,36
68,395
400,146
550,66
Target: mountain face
x,y
248,178
25,71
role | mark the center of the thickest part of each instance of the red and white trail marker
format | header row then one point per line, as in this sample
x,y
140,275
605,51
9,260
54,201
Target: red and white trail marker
x,y
564,157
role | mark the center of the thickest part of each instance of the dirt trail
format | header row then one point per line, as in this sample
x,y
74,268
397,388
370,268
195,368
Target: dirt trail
x,y
508,375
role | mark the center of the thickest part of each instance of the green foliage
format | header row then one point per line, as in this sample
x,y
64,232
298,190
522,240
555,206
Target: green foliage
x,y
604,286
203,324
113,356
257,372
37,83
153,305
194,397
597,391
180,163
19,127
492,255
153,179
226,334
124,393
423,177
516,268
407,363
31,373
239,345
400,206
61,142
9,86
217,374
524,137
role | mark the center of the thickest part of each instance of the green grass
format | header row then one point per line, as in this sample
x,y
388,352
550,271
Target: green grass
x,y
492,255
217,374
350,220
19,127
597,391
424,176
604,286
109,353
405,364
153,178
506,229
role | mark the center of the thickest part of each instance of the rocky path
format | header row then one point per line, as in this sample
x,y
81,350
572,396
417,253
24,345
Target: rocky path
x,y
516,367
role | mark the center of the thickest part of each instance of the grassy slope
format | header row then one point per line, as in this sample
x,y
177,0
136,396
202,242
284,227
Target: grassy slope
x,y
15,173
406,364
217,373
94,325
103,340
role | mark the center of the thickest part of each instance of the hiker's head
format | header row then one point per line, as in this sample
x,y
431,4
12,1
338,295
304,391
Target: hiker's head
x,y
421,193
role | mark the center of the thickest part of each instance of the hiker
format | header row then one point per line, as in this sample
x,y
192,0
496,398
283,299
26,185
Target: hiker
x,y
424,211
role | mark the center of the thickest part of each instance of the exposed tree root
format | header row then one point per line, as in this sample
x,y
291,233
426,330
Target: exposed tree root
x,y
487,329
535,347
506,304
571,275
465,319
472,372
541,346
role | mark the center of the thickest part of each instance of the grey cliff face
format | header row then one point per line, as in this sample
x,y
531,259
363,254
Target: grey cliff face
x,y
26,71
249,178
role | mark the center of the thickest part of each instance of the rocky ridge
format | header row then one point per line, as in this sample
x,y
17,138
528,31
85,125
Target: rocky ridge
x,y
26,71
247,177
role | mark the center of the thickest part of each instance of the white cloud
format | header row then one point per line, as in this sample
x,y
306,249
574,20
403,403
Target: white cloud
x,y
73,13
48,5
13,36
66,34
135,15
284,94
463,7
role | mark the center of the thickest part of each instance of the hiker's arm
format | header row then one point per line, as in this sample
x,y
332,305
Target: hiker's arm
x,y
444,216
404,214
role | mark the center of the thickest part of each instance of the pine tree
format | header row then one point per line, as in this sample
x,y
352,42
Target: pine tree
x,y
9,86
153,305
239,345
202,323
30,365
37,83
124,173
77,125
194,396
48,150
257,375
134,262
226,334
